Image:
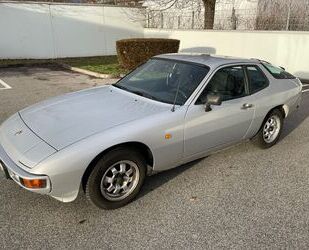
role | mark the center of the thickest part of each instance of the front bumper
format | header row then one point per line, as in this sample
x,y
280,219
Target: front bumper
x,y
16,173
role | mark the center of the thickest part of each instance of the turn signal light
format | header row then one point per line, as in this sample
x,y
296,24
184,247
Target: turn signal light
x,y
33,183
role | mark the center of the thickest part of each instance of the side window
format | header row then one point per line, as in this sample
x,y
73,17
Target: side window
x,y
257,80
228,82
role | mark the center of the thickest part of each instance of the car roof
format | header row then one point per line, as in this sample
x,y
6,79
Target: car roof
x,y
211,61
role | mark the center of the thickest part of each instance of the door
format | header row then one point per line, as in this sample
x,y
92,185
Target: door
x,y
224,124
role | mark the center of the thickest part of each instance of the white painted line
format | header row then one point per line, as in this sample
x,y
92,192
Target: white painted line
x,y
305,84
5,85
306,90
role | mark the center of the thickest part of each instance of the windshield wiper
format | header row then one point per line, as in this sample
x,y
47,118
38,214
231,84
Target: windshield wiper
x,y
137,92
147,95
121,87
140,93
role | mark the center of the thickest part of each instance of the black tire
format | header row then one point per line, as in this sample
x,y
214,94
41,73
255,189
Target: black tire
x,y
260,139
94,191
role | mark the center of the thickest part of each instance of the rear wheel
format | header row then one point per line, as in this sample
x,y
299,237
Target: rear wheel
x,y
271,129
116,179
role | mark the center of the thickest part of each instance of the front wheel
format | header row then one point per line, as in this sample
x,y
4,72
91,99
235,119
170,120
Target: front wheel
x,y
116,179
271,129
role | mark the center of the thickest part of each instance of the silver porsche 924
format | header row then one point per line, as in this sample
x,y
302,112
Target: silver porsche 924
x,y
169,111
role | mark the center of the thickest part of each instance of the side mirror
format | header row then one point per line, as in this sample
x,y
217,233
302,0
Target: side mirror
x,y
212,100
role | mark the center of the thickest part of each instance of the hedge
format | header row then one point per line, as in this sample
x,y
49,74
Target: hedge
x,y
133,52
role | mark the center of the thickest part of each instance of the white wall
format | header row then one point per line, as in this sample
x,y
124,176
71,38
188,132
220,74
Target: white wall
x,y
34,30
30,30
287,49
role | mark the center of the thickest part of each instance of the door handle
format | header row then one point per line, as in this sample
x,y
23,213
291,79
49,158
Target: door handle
x,y
247,106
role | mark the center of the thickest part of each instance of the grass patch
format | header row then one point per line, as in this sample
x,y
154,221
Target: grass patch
x,y
101,64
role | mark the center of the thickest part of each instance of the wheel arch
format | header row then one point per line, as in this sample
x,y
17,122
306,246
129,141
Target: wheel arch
x,y
285,110
282,108
138,146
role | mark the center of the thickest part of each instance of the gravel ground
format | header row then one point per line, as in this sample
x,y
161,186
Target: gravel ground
x,y
242,197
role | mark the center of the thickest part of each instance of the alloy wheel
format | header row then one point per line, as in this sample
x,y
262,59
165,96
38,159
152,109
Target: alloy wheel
x,y
120,180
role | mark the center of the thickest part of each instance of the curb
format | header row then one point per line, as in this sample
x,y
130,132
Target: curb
x,y
87,72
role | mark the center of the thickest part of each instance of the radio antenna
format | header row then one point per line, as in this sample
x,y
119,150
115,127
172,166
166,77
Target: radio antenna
x,y
176,95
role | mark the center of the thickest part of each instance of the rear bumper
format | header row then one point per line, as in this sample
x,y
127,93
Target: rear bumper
x,y
16,173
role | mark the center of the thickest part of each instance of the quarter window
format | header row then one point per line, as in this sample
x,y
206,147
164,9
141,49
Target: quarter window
x,y
257,79
228,82
277,72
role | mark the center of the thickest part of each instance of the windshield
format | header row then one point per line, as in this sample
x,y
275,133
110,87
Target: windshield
x,y
161,80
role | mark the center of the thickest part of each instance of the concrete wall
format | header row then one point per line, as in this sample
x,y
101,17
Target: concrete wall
x,y
42,30
287,49
30,30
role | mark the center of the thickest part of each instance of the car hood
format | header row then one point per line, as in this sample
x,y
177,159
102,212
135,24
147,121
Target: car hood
x,y
64,120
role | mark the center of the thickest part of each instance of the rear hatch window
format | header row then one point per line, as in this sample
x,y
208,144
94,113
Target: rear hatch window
x,y
277,72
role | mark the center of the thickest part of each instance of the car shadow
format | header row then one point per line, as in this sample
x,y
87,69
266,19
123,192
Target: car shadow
x,y
296,118
154,181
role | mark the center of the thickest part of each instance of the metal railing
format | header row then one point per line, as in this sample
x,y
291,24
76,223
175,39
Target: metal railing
x,y
263,15
242,19
115,3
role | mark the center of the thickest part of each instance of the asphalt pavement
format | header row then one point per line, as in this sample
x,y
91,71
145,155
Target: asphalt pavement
x,y
240,198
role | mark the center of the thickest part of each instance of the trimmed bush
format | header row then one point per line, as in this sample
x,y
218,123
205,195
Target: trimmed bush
x,y
133,52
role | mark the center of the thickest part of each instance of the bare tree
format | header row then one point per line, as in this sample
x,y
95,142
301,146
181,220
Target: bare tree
x,y
209,9
283,15
209,13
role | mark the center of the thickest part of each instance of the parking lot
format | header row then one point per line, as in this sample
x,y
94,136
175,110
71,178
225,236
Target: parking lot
x,y
242,197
